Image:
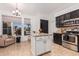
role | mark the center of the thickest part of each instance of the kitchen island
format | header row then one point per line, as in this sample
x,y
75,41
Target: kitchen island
x,y
41,43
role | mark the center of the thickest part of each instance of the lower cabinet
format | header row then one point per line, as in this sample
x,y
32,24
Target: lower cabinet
x,y
41,45
48,43
57,38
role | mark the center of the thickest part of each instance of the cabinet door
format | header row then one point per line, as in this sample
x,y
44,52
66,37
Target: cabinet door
x,y
57,38
59,21
40,46
48,43
67,16
74,14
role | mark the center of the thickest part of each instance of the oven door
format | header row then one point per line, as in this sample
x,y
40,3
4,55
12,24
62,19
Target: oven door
x,y
71,39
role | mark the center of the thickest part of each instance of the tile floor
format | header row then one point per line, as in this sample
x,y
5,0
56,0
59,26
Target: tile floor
x,y
24,49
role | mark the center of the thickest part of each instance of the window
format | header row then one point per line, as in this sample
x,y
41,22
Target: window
x,y
27,29
27,26
17,28
7,28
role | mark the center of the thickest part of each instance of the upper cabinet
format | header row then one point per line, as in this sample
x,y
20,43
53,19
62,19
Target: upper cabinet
x,y
68,19
66,16
74,14
59,21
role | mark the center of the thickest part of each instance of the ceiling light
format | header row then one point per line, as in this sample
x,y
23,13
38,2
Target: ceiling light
x,y
16,12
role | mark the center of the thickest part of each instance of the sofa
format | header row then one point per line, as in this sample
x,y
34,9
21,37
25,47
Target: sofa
x,y
6,40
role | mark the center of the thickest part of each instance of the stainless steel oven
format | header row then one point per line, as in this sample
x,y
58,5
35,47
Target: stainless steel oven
x,y
70,41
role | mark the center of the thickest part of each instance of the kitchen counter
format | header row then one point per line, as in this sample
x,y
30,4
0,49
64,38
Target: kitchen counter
x,y
41,34
41,43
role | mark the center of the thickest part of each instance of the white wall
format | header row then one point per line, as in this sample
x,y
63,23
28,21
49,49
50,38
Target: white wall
x,y
52,27
35,21
53,15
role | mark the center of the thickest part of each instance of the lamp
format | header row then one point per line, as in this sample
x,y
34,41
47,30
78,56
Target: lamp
x,y
16,12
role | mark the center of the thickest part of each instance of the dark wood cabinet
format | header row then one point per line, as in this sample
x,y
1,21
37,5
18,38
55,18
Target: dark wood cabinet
x,y
67,16
71,15
74,14
59,21
57,38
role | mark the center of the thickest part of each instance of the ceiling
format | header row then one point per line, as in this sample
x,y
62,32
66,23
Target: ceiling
x,y
35,8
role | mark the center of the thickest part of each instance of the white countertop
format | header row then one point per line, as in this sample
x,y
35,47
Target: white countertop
x,y
41,34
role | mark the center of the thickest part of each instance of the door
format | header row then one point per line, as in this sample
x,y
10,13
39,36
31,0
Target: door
x,y
44,25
